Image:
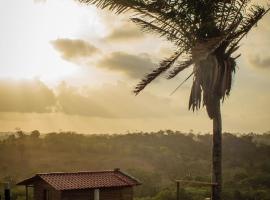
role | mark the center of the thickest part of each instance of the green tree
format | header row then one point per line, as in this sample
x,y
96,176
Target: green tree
x,y
208,32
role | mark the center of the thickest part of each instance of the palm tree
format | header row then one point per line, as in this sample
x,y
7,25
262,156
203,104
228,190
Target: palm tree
x,y
207,33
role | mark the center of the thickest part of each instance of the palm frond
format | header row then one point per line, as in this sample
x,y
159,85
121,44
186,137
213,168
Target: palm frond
x,y
172,36
251,19
163,66
179,68
182,83
195,96
118,6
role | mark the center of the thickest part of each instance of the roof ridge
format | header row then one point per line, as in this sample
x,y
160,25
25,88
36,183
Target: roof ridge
x,y
129,176
77,172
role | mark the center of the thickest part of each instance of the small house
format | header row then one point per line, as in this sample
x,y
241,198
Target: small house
x,y
98,185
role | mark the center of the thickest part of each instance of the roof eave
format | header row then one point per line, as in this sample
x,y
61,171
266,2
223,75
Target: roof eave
x,y
29,181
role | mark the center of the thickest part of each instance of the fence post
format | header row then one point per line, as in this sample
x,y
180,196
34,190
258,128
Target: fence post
x,y
177,190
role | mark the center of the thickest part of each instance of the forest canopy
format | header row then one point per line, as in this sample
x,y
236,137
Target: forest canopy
x,y
156,159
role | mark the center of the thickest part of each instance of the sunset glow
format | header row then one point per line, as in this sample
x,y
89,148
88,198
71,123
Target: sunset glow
x,y
83,63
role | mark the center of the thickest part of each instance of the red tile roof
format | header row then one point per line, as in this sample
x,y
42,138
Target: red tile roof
x,y
84,180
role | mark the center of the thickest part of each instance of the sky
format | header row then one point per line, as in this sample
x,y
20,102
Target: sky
x,y
69,67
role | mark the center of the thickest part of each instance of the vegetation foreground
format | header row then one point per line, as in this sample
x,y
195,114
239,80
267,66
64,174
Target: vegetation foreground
x,y
157,159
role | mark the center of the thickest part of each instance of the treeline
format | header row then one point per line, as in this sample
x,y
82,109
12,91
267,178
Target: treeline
x,y
157,159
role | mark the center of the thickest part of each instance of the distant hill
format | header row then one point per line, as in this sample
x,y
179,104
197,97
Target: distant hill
x,y
157,159
263,139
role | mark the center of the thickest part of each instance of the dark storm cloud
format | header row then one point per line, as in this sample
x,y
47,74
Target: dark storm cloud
x,y
74,49
134,66
26,96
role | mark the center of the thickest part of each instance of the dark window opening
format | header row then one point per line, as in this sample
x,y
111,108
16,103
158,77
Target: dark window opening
x,y
46,194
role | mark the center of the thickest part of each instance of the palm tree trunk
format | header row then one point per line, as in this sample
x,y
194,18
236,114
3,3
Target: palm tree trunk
x,y
217,153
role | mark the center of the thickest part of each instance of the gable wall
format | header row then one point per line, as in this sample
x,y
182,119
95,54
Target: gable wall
x,y
40,186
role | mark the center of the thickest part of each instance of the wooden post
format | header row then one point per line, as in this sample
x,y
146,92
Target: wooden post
x,y
26,192
177,190
96,194
7,191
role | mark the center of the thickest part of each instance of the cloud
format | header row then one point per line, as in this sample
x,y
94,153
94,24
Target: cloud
x,y
256,46
119,27
109,101
80,52
26,96
113,101
73,103
74,49
125,33
135,66
260,62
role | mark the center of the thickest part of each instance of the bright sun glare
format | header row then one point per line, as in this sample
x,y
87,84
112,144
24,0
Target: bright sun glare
x,y
29,27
